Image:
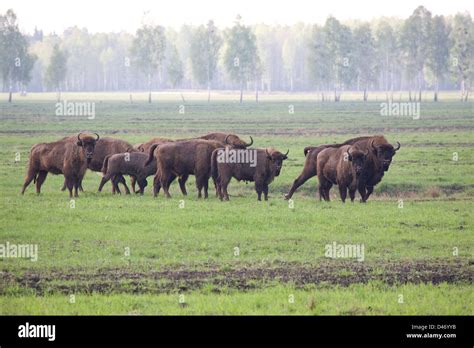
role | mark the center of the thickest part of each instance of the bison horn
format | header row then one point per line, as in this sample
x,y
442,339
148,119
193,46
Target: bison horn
x,y
251,142
366,152
268,154
225,140
98,137
398,147
287,152
79,137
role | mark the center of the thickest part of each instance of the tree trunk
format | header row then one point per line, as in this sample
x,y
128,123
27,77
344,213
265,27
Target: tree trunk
x,y
256,92
208,92
149,88
435,97
241,90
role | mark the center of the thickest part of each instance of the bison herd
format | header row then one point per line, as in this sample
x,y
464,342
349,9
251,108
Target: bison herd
x,y
358,164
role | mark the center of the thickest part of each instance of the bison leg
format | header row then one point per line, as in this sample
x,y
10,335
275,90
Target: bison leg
x,y
182,184
133,182
104,179
222,186
69,185
352,193
324,188
76,188
259,189
199,185
343,193
64,186
121,179
29,178
370,189
142,183
115,187
308,172
165,182
40,180
156,185
362,191
265,191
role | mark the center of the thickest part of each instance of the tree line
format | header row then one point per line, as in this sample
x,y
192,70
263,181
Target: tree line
x,y
421,52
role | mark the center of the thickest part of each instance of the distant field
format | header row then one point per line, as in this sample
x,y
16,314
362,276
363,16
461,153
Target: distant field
x,y
243,256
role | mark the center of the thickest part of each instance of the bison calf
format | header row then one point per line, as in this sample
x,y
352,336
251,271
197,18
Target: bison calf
x,y
262,171
342,167
132,164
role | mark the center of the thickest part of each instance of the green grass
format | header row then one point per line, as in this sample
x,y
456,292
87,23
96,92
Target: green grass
x,y
371,299
88,240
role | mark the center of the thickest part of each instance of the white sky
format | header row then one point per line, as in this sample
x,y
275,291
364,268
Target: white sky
x,y
127,15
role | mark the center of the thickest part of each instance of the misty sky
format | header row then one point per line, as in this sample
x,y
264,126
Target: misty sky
x,y
110,15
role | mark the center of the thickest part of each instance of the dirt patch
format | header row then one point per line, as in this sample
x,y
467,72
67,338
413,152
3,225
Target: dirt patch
x,y
246,277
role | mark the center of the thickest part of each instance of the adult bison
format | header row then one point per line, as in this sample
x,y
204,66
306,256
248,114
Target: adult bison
x,y
182,158
340,166
228,139
61,157
384,151
267,166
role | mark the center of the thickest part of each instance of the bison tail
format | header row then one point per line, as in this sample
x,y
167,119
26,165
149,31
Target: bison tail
x,y
105,165
214,170
151,154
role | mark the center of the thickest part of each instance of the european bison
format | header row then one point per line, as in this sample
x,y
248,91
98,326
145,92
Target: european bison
x,y
145,147
311,153
267,166
105,147
132,164
378,162
342,167
61,157
182,158
228,139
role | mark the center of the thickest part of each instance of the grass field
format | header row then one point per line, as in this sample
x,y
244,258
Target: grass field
x,y
109,254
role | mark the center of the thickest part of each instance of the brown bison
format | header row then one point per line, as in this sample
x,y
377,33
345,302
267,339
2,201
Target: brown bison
x,y
228,139
132,164
340,166
182,158
267,166
105,147
61,157
145,147
311,153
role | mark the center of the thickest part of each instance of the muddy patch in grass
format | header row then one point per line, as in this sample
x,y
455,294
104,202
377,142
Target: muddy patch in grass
x,y
243,277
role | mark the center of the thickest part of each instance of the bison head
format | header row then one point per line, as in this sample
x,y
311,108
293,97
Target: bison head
x,y
88,145
236,142
384,153
358,159
276,159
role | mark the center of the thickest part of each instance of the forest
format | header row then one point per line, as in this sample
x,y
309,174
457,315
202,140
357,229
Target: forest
x,y
419,53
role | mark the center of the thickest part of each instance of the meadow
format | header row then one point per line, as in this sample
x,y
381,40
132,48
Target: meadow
x,y
118,254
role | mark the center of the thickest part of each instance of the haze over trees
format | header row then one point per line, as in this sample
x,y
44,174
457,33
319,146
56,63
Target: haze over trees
x,y
419,53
